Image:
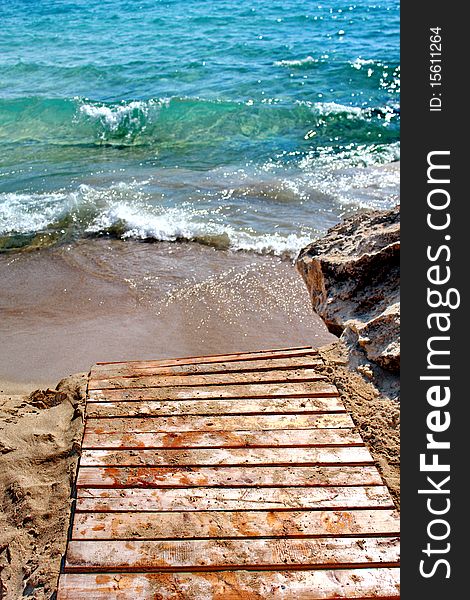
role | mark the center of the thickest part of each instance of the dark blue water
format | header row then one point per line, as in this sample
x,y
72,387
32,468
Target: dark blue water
x,y
251,125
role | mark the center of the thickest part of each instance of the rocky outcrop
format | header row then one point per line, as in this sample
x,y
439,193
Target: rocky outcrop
x,y
353,277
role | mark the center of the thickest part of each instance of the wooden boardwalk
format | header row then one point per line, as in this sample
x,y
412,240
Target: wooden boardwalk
x,y
225,477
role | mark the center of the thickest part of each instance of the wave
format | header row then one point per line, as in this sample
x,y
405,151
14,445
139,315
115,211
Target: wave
x,y
301,63
41,220
358,63
175,225
333,108
275,207
173,122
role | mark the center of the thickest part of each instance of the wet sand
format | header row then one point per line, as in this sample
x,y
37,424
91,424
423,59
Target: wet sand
x,y
107,300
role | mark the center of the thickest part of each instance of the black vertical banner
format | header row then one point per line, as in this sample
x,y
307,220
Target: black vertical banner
x,y
435,268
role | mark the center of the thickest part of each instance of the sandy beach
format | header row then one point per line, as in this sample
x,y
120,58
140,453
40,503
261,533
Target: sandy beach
x,y
105,299
161,170
66,308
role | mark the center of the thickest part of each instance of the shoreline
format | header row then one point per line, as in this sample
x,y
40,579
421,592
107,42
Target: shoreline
x,y
102,300
105,300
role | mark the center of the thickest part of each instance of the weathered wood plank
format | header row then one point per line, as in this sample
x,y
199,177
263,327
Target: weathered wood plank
x,y
167,477
234,356
225,456
218,423
338,584
254,390
234,406
234,524
256,553
296,438
202,499
259,364
185,468
242,377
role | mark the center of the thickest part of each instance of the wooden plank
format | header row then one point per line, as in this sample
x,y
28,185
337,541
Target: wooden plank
x,y
296,438
234,524
223,499
242,377
186,488
225,456
255,390
202,356
187,360
338,584
91,555
177,477
218,423
259,364
233,406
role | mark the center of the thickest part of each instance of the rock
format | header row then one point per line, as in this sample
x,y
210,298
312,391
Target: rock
x,y
380,338
353,278
366,371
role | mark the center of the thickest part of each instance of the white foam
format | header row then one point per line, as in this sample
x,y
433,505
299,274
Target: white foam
x,y
308,60
141,222
124,208
111,117
331,108
178,224
274,243
358,63
328,108
29,213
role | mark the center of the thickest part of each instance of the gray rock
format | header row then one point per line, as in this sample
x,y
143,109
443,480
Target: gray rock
x,y
353,278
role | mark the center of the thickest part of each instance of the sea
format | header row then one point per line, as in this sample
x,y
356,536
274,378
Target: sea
x,y
243,125
164,144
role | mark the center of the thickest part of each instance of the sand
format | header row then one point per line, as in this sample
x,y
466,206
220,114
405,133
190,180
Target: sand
x,y
40,443
65,309
376,416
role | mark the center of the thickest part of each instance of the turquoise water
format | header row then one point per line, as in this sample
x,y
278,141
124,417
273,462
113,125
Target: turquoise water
x,y
250,125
